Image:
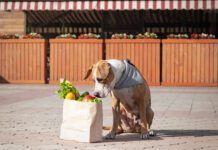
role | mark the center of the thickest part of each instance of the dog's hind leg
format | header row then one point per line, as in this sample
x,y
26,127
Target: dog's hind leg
x,y
150,116
143,119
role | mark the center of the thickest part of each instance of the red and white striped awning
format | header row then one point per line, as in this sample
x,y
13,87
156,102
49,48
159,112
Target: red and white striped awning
x,y
110,5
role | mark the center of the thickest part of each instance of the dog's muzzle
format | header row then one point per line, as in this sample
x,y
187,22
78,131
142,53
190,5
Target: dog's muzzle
x,y
101,90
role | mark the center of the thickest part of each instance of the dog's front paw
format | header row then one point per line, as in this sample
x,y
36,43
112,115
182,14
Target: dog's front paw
x,y
145,136
110,136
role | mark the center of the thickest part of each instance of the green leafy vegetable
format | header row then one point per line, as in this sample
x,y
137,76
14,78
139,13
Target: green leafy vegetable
x,y
66,87
97,100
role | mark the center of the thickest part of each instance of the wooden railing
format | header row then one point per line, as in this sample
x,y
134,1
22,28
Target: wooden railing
x,y
190,62
71,58
22,61
144,53
184,62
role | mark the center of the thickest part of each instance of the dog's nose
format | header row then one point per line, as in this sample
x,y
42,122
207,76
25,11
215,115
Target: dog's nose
x,y
96,94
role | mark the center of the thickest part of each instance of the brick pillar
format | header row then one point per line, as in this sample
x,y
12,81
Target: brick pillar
x,y
12,22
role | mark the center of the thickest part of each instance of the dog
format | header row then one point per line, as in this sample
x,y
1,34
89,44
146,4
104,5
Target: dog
x,y
131,99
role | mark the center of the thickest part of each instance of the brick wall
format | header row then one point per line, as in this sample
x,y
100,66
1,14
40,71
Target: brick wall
x,y
12,22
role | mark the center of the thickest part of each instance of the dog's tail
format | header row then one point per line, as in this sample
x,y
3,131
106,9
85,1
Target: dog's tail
x,y
106,127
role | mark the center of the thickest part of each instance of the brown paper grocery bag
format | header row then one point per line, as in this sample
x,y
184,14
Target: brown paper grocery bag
x,y
82,121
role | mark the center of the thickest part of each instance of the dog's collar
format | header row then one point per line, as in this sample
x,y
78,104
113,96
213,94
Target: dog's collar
x,y
130,76
120,81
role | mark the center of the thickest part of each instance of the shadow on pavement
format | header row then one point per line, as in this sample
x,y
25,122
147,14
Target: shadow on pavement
x,y
3,80
161,134
179,133
124,137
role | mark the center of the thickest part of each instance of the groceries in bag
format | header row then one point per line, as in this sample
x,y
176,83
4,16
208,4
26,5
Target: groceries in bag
x,y
82,118
68,92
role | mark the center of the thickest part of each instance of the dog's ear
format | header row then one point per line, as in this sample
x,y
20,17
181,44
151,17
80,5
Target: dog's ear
x,y
104,69
89,71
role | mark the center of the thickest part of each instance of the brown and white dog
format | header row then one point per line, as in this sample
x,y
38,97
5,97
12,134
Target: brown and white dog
x,y
131,103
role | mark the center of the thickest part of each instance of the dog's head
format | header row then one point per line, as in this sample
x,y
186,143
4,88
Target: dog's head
x,y
103,77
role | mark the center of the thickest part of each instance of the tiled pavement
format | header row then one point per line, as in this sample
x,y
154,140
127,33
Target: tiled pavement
x,y
185,118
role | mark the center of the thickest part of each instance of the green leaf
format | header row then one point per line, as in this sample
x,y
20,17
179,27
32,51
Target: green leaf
x,y
97,100
65,88
90,100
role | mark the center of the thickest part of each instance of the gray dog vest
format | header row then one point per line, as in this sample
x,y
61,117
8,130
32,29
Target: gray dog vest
x,y
130,76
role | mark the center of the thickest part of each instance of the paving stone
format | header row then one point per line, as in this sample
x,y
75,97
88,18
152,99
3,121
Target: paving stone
x,y
185,118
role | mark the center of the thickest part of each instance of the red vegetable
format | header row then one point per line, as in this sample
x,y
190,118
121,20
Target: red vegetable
x,y
88,97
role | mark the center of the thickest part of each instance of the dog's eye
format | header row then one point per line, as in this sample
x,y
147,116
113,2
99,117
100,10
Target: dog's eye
x,y
99,79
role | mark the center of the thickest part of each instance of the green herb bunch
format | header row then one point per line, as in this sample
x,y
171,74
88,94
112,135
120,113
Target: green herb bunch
x,y
66,87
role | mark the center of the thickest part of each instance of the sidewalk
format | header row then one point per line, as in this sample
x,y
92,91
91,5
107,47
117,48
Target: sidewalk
x,y
185,118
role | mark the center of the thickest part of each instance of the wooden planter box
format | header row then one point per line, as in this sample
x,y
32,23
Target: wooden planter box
x,y
144,53
71,58
190,62
22,61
